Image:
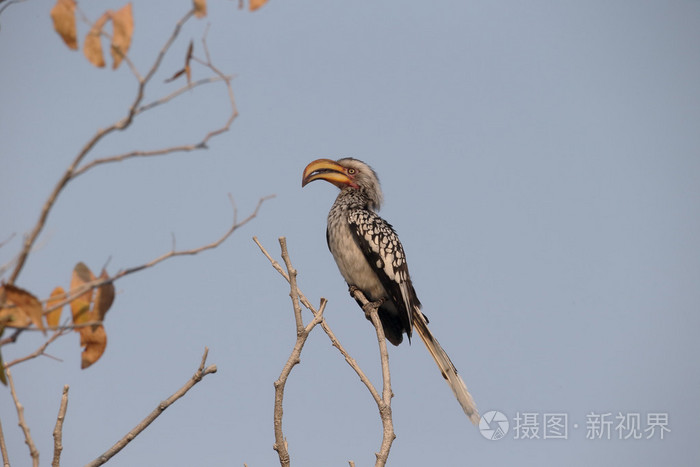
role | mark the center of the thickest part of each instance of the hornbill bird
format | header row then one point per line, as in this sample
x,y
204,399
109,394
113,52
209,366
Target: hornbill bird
x,y
370,257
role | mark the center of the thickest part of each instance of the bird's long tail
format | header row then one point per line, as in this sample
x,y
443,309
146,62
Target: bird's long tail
x,y
449,372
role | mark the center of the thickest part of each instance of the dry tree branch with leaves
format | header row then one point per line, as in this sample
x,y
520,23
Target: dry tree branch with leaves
x,y
63,14
91,296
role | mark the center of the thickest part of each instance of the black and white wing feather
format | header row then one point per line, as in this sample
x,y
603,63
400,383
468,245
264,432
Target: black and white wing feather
x,y
383,251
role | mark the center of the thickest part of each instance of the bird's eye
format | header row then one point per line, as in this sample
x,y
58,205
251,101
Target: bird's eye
x,y
351,171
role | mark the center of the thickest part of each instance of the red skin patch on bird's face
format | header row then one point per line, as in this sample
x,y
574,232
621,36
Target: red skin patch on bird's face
x,y
343,184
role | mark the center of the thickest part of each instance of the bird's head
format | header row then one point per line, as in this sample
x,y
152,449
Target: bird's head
x,y
346,173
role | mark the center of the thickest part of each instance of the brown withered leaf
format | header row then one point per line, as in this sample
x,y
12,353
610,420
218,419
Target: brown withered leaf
x,y
93,42
103,298
123,24
63,16
12,315
80,306
255,4
94,341
90,307
200,8
54,317
24,308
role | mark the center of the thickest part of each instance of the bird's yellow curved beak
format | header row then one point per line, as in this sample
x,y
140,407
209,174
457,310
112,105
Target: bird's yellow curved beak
x,y
326,169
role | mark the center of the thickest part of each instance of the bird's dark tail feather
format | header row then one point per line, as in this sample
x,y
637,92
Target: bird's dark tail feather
x,y
449,372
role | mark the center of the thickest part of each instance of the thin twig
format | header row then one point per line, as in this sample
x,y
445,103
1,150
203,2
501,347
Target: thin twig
x,y
302,334
129,155
229,88
294,290
8,239
236,225
58,429
62,327
33,452
121,444
40,351
326,328
9,2
302,298
388,435
178,92
3,449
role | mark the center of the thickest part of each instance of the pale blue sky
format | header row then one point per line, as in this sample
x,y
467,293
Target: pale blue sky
x,y
540,161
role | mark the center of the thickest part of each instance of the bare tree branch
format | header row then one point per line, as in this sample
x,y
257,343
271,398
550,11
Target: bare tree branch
x,y
326,328
236,225
40,351
121,444
302,334
294,292
33,452
388,435
58,429
179,92
201,144
302,298
383,402
3,449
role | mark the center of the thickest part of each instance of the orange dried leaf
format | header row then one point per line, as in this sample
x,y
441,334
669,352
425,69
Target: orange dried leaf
x,y
25,304
80,306
255,4
53,317
200,8
12,315
93,42
123,24
103,298
63,16
94,341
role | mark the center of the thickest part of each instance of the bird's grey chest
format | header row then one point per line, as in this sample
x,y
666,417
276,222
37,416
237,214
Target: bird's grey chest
x,y
349,257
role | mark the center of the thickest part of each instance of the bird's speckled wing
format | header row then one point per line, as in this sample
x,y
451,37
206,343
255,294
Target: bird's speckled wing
x,y
384,252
